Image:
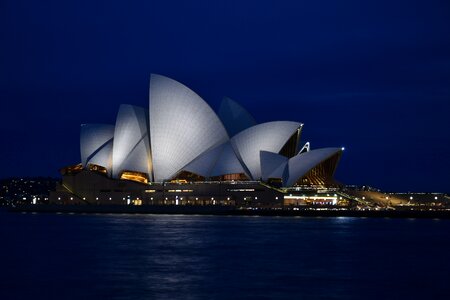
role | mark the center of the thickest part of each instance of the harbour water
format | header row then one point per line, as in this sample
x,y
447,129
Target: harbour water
x,y
108,256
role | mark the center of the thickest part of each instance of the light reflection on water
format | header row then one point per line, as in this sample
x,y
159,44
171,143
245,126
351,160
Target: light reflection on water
x,y
211,257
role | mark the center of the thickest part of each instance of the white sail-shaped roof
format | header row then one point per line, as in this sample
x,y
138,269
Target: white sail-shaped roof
x,y
282,171
270,165
96,144
269,136
227,163
205,162
131,151
235,118
103,157
300,164
218,161
182,126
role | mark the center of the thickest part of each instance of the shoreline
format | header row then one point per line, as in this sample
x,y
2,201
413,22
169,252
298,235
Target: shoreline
x,y
228,211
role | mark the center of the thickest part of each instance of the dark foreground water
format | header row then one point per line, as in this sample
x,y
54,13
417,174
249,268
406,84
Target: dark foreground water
x,y
62,256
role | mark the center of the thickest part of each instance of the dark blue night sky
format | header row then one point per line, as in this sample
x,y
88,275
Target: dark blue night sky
x,y
373,76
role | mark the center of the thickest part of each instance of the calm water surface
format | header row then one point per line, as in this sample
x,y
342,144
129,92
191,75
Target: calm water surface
x,y
63,256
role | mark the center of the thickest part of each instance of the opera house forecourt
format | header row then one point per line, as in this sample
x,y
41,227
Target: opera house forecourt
x,y
180,152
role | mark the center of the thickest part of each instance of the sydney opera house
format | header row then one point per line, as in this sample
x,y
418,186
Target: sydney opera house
x,y
180,152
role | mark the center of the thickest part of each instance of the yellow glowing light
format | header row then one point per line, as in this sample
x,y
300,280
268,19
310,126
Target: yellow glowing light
x,y
134,176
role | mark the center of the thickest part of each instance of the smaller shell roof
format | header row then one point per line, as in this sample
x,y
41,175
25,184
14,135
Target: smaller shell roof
x,y
234,117
270,136
204,163
131,147
228,163
300,164
217,161
103,157
96,144
271,162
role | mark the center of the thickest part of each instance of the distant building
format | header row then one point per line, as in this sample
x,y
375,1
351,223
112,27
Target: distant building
x,y
180,151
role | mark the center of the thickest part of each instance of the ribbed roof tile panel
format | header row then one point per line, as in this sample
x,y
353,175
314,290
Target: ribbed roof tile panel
x,y
300,164
182,126
235,118
228,163
131,150
270,136
96,142
205,162
270,162
103,157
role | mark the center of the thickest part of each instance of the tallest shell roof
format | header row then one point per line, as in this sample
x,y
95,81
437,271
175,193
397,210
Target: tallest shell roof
x,y
182,126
